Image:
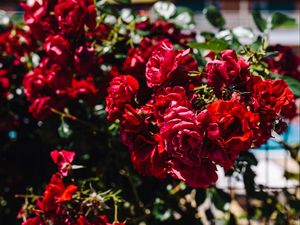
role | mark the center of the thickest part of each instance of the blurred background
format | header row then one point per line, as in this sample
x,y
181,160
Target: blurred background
x,y
236,13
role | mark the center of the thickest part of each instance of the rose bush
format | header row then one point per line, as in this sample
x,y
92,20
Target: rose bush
x,y
133,92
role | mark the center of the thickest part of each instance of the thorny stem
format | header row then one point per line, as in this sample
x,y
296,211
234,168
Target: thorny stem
x,y
135,193
176,188
28,196
116,211
66,114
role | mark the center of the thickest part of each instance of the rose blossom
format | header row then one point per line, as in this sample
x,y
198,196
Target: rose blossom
x,y
73,15
230,71
168,65
84,89
232,126
146,149
122,90
167,98
135,62
38,17
273,98
184,139
85,61
33,221
55,193
63,159
286,62
58,49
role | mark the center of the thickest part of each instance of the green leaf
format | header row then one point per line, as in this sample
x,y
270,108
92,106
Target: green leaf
x,y
215,45
214,16
122,1
281,20
259,21
220,198
17,17
293,84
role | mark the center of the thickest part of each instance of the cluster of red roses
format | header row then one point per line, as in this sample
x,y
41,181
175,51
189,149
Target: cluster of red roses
x,y
184,125
68,68
16,44
58,205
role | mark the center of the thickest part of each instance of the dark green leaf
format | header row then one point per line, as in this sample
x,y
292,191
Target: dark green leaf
x,y
248,178
214,16
295,204
294,84
248,157
200,196
232,220
282,20
215,45
259,21
220,198
291,175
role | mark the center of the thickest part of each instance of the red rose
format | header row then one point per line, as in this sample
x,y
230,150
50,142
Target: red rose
x,y
35,84
37,16
167,98
56,193
197,175
4,83
286,62
33,221
147,157
146,151
85,61
58,78
84,89
273,98
168,65
230,71
82,221
131,122
100,33
46,87
184,140
160,65
63,159
58,49
73,15
122,90
41,108
46,80
16,42
230,131
135,62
